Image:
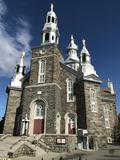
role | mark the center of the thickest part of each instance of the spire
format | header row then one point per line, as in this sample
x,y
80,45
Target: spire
x,y
72,60
21,62
85,61
50,33
110,86
84,49
72,37
83,41
72,45
19,72
85,56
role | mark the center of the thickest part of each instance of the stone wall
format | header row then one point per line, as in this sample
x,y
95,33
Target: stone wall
x,y
50,91
54,94
109,100
52,57
80,103
67,107
94,120
51,141
13,103
53,91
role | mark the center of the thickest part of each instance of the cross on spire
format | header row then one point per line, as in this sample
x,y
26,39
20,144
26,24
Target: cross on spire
x,y
72,37
51,6
83,41
22,54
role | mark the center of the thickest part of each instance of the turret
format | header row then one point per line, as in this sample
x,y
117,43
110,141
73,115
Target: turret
x,y
72,60
110,87
85,61
19,73
50,33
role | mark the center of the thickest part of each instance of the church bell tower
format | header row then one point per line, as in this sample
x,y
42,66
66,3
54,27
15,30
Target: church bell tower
x,y
50,32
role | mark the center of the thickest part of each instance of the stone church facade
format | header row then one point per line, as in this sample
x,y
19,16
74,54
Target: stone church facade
x,y
60,99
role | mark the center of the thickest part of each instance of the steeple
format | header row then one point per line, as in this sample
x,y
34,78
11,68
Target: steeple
x,y
85,56
50,33
110,87
85,61
72,60
19,72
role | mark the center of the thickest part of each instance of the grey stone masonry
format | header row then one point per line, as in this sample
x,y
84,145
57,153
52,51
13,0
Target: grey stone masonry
x,y
13,103
67,107
52,93
109,100
50,90
94,120
52,56
30,94
80,103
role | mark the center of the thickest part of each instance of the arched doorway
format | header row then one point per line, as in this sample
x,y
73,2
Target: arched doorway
x,y
39,117
70,123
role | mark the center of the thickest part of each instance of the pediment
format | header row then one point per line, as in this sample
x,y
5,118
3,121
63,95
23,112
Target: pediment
x,y
93,78
22,149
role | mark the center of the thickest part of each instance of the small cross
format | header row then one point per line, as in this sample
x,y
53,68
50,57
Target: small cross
x,y
83,41
51,6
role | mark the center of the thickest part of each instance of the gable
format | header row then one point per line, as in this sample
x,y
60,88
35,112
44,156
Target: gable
x,y
92,78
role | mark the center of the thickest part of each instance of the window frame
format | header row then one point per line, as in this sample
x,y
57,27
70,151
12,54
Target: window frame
x,y
93,100
106,116
70,90
47,37
48,20
41,71
41,111
53,19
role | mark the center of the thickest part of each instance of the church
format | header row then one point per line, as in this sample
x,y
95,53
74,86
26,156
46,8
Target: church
x,y
60,100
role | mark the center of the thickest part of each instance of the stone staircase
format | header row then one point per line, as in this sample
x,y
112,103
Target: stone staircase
x,y
13,147
6,141
34,147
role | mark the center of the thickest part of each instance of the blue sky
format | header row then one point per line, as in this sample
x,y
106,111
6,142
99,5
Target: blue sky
x,y
98,21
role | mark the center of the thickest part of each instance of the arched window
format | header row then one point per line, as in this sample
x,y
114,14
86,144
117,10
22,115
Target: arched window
x,y
47,37
53,19
17,68
39,118
93,96
48,19
40,110
93,100
84,58
42,70
70,87
106,116
70,123
52,37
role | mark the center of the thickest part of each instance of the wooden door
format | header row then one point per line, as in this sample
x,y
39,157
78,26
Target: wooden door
x,y
38,126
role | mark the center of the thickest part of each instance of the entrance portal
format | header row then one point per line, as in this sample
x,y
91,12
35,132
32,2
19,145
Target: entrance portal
x,y
39,118
71,124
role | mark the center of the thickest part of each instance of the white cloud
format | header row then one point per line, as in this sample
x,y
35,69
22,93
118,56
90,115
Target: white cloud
x,y
10,46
